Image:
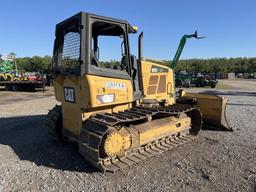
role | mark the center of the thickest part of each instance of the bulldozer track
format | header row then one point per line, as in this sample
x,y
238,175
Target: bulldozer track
x,y
94,129
53,119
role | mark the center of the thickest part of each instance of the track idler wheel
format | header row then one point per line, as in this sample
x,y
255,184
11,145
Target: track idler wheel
x,y
113,144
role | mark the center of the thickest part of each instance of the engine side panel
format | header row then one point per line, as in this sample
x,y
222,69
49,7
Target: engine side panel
x,y
157,80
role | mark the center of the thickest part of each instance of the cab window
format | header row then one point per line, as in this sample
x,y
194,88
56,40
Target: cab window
x,y
108,46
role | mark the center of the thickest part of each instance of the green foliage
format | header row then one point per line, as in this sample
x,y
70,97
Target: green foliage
x,y
109,64
70,63
237,65
226,65
35,63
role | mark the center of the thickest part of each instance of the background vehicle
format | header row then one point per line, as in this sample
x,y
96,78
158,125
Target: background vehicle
x,y
35,77
203,81
16,80
183,79
192,80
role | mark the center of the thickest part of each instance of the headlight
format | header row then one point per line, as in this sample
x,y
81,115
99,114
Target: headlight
x,y
107,98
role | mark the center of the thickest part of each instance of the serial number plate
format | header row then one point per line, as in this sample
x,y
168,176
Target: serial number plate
x,y
69,94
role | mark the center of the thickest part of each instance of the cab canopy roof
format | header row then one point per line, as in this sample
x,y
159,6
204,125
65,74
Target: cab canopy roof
x,y
108,25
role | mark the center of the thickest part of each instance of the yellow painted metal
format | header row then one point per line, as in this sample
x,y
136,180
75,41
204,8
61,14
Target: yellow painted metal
x,y
97,86
99,94
6,76
118,141
212,107
156,60
168,95
114,144
9,77
136,28
127,138
160,128
87,88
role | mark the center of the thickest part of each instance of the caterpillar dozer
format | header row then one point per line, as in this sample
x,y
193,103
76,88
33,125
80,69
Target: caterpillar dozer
x,y
121,113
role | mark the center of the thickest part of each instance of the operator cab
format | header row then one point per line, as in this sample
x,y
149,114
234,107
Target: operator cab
x,y
79,49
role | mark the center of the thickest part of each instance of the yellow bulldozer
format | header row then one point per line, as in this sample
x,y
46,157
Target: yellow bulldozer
x,y
123,113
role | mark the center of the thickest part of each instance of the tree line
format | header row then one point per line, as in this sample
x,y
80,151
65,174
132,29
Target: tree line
x,y
213,65
34,64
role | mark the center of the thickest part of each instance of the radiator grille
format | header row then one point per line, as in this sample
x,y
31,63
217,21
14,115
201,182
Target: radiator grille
x,y
162,84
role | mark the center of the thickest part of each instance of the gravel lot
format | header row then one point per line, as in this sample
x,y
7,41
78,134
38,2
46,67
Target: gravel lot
x,y
30,160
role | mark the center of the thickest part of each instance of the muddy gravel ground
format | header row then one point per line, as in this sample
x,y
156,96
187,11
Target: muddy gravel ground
x,y
30,160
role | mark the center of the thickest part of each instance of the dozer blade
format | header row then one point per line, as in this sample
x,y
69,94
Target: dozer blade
x,y
212,107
